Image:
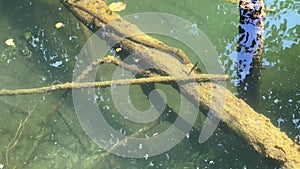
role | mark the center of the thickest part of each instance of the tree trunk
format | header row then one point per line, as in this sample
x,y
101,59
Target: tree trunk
x,y
250,49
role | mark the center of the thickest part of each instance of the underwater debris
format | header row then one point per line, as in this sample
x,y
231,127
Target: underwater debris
x,y
117,6
118,49
59,25
10,42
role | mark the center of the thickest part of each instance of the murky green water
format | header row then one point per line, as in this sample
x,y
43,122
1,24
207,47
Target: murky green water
x,y
53,138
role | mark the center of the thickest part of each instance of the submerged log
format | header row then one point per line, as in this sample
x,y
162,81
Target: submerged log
x,y
255,128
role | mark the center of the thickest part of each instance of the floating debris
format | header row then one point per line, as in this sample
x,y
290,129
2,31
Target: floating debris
x,y
168,157
27,35
59,25
279,121
10,42
118,49
117,6
193,68
146,156
151,164
276,101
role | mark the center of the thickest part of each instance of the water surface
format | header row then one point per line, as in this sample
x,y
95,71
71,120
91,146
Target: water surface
x,y
45,55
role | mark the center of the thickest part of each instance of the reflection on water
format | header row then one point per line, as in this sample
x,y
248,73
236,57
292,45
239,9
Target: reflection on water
x,y
249,50
279,90
46,55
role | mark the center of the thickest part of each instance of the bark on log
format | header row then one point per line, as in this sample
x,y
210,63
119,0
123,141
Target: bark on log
x,y
255,128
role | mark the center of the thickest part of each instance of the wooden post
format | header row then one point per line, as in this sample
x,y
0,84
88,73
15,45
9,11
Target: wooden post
x,y
250,49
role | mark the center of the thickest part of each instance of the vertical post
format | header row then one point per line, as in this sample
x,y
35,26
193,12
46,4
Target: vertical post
x,y
250,49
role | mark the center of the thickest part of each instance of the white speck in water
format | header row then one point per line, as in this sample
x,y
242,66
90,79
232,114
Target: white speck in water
x,y
136,17
53,57
101,98
106,107
173,31
103,34
146,156
95,99
43,78
296,121
77,26
279,121
276,101
1,165
136,60
140,146
263,97
211,162
290,100
168,157
72,37
194,25
59,8
151,164
56,64
155,134
187,135
220,145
